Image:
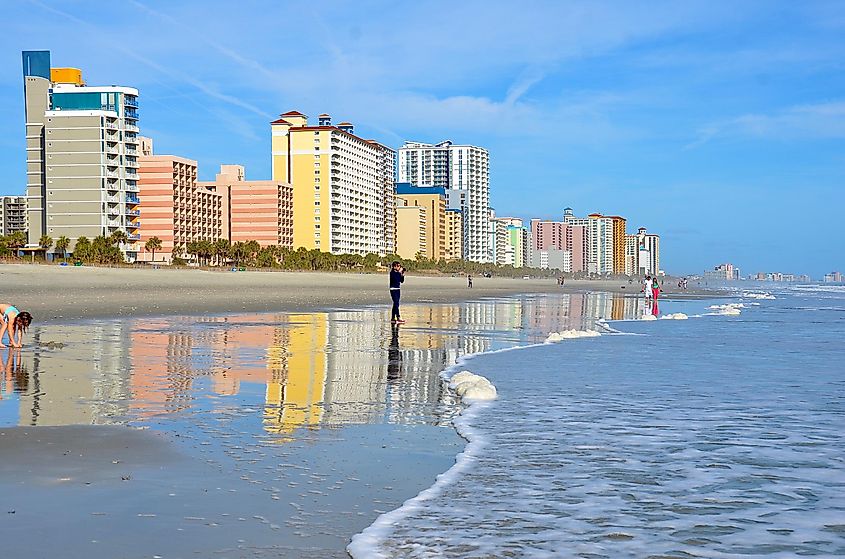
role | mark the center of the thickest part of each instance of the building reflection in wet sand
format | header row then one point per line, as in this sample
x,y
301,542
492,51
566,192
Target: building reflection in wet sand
x,y
316,369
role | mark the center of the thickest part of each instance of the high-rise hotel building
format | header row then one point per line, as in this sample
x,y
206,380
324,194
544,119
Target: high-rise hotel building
x,y
464,171
341,193
82,155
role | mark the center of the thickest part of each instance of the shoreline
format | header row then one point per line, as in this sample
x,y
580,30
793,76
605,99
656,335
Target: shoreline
x,y
62,293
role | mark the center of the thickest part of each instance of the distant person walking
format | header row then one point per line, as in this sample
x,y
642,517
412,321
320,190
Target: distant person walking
x,y
469,281
397,277
15,322
655,288
646,287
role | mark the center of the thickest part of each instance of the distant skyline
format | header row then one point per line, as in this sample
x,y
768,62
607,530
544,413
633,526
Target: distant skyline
x,y
718,125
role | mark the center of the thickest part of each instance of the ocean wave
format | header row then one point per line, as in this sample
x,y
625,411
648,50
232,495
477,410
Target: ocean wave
x,y
757,295
730,309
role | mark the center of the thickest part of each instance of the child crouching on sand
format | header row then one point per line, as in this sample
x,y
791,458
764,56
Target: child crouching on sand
x,y
15,322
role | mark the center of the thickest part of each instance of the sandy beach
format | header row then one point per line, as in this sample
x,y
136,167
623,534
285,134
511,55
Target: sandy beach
x,y
60,293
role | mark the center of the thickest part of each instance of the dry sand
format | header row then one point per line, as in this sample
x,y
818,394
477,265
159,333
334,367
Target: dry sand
x,y
59,293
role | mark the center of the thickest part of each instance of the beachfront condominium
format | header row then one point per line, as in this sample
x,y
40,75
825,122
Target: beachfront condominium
x,y
340,185
176,210
463,170
558,244
511,242
642,253
387,177
411,231
618,244
82,155
12,214
433,199
600,240
454,234
253,210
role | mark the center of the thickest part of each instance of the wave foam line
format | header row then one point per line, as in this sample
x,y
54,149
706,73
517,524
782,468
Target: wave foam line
x,y
366,543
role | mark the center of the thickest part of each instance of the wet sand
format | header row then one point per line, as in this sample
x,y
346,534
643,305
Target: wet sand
x,y
63,293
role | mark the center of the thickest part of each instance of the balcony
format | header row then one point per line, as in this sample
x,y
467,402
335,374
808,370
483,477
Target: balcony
x,y
131,139
112,174
131,151
132,200
130,101
131,187
135,237
132,212
132,128
132,176
133,224
114,211
113,223
130,114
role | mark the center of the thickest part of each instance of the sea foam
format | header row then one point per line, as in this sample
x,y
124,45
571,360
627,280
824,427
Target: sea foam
x,y
470,386
674,316
571,335
730,309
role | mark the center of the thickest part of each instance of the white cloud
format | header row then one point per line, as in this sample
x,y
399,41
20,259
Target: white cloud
x,y
801,122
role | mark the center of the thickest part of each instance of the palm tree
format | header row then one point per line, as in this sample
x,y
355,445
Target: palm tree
x,y
118,237
45,242
153,244
61,245
15,241
83,249
222,250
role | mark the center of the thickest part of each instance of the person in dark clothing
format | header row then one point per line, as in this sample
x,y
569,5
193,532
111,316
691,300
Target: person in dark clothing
x,y
469,280
397,276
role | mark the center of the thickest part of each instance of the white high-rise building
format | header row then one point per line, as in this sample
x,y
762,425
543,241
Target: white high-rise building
x,y
464,171
642,253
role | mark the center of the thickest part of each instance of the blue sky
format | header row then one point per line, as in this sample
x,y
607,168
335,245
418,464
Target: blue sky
x,y
718,125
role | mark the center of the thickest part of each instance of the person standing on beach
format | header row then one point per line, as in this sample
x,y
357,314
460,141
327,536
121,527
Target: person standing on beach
x,y
647,287
15,322
469,281
397,277
655,288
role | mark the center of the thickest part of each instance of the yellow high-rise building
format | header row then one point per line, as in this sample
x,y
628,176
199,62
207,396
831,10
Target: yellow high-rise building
x,y
454,235
618,244
434,201
340,187
411,231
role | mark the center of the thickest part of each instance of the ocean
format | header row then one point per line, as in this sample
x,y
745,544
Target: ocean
x,y
721,435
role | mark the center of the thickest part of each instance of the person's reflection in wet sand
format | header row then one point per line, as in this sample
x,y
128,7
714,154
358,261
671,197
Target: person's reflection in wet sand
x,y
14,374
394,356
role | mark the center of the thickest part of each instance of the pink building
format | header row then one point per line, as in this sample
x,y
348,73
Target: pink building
x,y
259,211
173,207
562,236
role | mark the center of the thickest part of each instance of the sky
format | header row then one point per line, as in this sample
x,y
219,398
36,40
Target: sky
x,y
717,125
